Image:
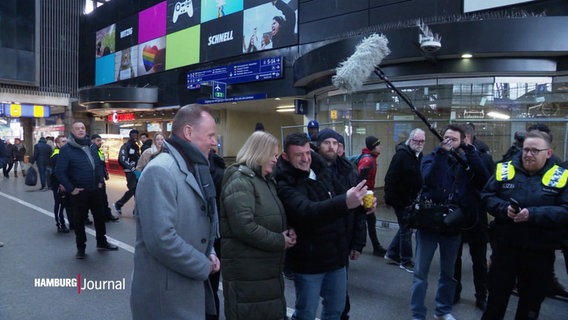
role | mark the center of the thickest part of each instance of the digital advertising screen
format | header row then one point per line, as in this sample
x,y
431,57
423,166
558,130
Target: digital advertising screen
x,y
152,22
183,14
105,41
152,56
127,33
125,63
104,70
183,47
221,38
215,9
194,31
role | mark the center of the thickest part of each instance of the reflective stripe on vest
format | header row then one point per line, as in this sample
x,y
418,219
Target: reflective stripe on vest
x,y
101,155
505,171
55,152
555,177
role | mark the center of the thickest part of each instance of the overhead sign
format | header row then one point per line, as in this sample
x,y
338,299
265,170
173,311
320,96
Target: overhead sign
x,y
256,96
121,117
219,90
250,71
16,110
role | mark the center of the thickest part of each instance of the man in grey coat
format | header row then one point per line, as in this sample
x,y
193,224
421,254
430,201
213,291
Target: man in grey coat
x,y
177,224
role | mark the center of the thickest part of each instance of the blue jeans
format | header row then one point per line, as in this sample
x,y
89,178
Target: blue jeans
x,y
401,245
426,244
331,286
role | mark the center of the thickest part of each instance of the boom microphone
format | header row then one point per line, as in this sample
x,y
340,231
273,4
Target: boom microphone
x,y
352,72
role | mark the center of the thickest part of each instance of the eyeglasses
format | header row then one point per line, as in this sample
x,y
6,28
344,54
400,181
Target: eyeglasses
x,y
533,151
418,141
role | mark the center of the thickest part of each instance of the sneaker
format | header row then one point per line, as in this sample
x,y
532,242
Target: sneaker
x,y
117,209
63,229
407,266
379,251
391,260
447,316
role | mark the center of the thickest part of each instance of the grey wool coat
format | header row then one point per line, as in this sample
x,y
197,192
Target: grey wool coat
x,y
173,243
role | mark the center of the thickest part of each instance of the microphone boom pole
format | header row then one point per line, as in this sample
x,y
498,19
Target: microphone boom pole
x,y
403,96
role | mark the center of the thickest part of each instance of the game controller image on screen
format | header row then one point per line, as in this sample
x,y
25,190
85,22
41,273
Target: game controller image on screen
x,y
183,7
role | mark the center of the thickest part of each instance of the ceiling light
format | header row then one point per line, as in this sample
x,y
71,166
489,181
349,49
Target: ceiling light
x,y
285,110
467,56
277,99
498,115
285,107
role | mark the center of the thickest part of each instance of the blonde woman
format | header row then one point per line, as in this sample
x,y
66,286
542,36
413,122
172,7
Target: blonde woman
x,y
254,234
151,152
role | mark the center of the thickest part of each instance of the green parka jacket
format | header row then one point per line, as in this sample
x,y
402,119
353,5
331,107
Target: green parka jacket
x,y
252,245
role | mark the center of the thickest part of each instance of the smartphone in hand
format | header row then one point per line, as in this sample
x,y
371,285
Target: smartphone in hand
x,y
515,205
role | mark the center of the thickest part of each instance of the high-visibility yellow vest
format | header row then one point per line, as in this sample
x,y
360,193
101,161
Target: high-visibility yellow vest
x,y
555,177
55,152
505,171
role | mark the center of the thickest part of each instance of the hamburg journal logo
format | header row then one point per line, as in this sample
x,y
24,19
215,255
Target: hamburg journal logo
x,y
81,284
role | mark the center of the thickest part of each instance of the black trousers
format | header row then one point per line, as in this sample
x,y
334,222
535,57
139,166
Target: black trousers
x,y
7,168
477,240
131,182
524,267
80,205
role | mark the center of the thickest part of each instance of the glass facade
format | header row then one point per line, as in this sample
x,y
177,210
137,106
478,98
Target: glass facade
x,y
497,106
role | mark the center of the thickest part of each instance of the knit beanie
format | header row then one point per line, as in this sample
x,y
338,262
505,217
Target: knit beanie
x,y
326,134
371,142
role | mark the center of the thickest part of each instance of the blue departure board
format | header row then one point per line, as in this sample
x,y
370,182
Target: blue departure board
x,y
249,71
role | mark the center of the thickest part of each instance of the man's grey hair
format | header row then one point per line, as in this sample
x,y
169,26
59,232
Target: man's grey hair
x,y
413,134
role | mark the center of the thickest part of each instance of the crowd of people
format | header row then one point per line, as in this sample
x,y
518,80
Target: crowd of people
x,y
300,211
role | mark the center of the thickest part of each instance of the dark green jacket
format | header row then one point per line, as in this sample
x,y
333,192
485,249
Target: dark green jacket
x,y
252,222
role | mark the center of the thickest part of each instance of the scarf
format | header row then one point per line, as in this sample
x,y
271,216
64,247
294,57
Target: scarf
x,y
82,144
198,165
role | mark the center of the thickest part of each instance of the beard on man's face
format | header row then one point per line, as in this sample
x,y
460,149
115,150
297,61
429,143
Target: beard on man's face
x,y
329,154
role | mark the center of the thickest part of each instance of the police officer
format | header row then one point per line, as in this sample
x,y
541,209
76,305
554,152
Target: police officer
x,y
528,198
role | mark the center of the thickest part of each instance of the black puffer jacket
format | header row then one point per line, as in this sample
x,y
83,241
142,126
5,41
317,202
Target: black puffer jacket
x,y
403,179
78,166
317,210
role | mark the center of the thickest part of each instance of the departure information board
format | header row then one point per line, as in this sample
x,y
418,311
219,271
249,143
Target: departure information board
x,y
249,71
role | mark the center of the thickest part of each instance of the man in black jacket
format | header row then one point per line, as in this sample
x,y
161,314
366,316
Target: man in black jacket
x,y
318,208
128,158
80,172
402,184
328,143
10,161
42,152
3,154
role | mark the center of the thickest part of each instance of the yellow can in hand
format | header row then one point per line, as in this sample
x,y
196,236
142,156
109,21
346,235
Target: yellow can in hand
x,y
368,200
